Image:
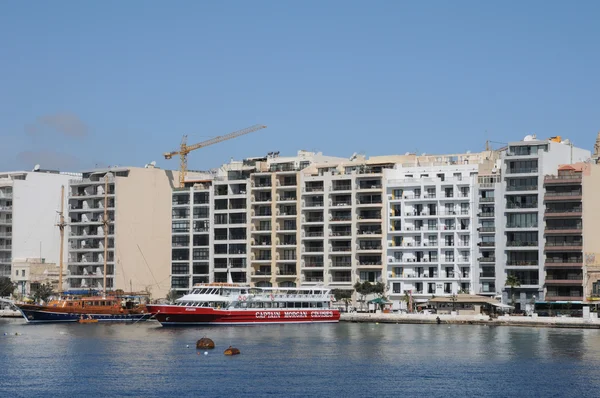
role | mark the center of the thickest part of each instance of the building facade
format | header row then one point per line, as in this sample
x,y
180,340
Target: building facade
x,y
135,237
432,226
29,206
522,212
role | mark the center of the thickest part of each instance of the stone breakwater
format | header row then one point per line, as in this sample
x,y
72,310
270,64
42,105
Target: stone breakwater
x,y
506,320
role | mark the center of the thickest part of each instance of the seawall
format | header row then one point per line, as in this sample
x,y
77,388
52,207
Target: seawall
x,y
506,320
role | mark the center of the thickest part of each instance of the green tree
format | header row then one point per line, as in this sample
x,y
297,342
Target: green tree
x,y
512,281
172,296
342,295
43,292
363,290
7,287
379,289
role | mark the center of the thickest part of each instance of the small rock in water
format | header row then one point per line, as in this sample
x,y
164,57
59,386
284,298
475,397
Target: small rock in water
x,y
187,346
205,353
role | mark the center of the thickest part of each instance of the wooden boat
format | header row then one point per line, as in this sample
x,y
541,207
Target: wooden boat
x,y
71,309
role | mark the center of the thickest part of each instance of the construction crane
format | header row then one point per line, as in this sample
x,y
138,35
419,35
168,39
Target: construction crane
x,y
184,148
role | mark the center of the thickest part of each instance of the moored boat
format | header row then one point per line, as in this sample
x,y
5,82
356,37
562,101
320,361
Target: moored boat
x,y
233,304
72,309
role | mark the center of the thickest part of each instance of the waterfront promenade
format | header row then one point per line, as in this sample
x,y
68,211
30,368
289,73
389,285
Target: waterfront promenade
x,y
505,320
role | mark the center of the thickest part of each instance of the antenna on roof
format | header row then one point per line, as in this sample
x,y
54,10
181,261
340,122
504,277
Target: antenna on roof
x,y
36,167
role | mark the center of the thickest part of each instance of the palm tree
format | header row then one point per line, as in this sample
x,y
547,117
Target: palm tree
x,y
512,281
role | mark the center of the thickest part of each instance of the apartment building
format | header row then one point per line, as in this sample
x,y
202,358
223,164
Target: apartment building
x,y
29,206
135,236
432,217
240,222
343,222
564,234
522,212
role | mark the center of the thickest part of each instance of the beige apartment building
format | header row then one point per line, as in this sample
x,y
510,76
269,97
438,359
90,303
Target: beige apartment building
x,y
137,231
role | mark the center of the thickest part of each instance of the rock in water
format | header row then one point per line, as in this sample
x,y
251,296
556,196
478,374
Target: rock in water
x,y
205,343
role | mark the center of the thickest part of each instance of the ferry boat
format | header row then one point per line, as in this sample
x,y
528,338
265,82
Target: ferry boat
x,y
234,304
73,309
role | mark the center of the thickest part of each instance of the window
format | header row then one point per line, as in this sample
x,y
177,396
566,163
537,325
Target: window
x,y
200,268
180,254
180,282
180,226
180,240
200,212
180,268
522,220
397,288
200,254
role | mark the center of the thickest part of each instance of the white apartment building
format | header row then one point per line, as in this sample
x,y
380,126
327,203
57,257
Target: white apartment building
x,y
521,249
431,234
29,206
137,230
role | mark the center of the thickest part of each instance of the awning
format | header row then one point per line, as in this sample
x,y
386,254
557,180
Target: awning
x,y
500,305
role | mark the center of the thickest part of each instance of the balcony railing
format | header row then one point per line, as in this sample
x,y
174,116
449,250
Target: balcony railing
x,y
522,188
522,170
522,263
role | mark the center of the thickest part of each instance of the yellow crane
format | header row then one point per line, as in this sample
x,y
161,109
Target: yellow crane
x,y
184,148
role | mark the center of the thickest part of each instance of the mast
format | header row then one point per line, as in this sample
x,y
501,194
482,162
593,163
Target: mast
x,y
61,226
105,225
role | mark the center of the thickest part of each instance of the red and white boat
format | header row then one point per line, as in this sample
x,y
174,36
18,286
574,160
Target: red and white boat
x,y
233,304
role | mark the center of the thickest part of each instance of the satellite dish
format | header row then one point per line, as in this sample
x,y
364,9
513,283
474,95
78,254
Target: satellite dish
x,y
36,167
153,163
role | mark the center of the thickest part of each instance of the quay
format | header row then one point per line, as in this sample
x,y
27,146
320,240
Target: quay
x,y
8,313
505,320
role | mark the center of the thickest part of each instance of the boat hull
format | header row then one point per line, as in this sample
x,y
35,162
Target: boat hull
x,y
174,315
40,315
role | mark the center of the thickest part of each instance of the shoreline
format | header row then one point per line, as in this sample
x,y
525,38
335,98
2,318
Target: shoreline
x,y
505,320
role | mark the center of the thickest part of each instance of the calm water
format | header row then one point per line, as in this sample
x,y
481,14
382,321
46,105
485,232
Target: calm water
x,y
341,360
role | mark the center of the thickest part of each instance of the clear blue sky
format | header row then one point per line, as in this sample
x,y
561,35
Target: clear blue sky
x,y
119,82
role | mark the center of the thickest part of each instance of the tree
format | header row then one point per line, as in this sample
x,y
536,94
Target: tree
x,y
363,289
406,298
454,298
379,289
342,295
172,296
7,287
43,292
512,281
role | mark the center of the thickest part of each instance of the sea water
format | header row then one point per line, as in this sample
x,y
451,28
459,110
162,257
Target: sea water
x,y
326,360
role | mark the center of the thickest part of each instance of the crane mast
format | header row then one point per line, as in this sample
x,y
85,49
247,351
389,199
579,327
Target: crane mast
x,y
184,148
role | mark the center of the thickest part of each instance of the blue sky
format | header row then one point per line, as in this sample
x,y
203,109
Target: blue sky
x,y
112,82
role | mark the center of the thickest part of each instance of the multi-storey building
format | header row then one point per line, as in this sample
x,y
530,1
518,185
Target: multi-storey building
x,y
29,202
564,234
342,222
241,222
135,236
431,230
522,211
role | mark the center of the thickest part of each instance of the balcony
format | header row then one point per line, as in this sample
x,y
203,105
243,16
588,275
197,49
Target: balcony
x,y
513,188
522,226
313,188
569,281
561,263
486,230
571,179
521,244
487,214
562,196
487,259
563,213
522,170
563,230
563,246
487,200
551,297
521,206
522,263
